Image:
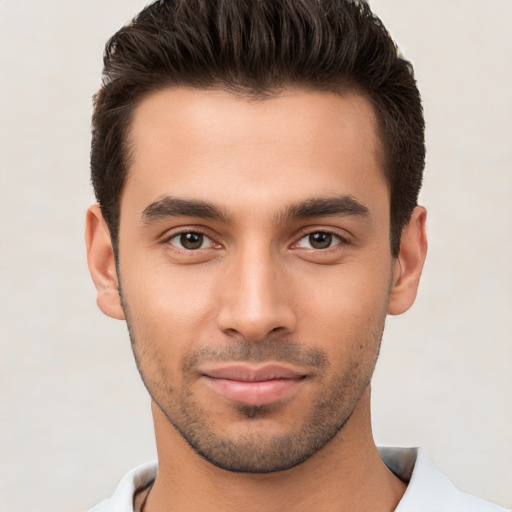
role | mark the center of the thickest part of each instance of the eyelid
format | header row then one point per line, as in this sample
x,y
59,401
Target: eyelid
x,y
336,240
343,237
177,232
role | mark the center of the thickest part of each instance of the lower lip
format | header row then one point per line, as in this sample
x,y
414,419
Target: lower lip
x,y
254,393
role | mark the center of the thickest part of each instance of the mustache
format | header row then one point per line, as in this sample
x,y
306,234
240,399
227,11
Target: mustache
x,y
267,349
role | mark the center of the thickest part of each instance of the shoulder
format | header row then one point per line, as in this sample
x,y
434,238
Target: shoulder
x,y
122,499
428,489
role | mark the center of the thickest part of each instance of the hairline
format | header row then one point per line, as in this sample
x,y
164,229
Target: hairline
x,y
350,89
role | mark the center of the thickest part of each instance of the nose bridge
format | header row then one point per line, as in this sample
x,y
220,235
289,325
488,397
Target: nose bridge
x,y
257,299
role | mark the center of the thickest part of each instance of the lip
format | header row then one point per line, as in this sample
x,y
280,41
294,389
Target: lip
x,y
254,386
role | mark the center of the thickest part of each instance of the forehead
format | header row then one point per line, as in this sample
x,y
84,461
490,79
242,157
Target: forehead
x,y
208,144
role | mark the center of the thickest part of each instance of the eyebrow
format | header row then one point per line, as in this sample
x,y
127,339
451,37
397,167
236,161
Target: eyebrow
x,y
168,206
344,205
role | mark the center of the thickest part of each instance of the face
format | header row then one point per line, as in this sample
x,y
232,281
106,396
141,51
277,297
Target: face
x,y
255,267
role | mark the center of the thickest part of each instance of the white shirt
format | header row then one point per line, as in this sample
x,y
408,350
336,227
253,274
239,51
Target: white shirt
x,y
428,489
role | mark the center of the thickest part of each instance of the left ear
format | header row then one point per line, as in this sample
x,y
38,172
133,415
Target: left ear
x,y
409,263
102,265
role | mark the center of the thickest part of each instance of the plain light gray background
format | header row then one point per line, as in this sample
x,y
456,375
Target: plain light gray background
x,y
74,416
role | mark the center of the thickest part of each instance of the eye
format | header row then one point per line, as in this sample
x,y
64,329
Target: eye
x,y
191,241
319,240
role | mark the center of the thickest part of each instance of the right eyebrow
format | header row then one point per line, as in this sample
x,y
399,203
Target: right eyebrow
x,y
168,206
344,205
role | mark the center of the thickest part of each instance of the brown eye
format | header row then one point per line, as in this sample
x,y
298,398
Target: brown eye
x,y
190,241
319,240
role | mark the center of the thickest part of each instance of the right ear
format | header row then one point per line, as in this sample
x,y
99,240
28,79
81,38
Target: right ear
x,y
102,265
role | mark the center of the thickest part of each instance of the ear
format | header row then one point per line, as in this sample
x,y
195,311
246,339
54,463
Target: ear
x,y
102,266
409,263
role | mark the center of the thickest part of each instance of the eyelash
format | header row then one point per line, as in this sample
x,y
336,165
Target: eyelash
x,y
340,240
334,237
178,235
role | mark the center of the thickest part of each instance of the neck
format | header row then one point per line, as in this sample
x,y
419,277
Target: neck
x,y
346,474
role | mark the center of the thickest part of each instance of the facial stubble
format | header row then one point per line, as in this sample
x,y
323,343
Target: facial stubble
x,y
254,450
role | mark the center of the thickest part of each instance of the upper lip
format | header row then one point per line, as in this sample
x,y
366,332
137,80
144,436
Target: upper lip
x,y
244,373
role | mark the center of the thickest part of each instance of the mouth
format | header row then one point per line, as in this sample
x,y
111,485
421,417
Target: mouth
x,y
254,386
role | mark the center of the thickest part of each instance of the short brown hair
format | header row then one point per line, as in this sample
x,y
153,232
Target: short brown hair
x,y
257,48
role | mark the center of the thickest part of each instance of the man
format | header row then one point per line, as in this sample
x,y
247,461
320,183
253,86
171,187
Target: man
x,y
257,167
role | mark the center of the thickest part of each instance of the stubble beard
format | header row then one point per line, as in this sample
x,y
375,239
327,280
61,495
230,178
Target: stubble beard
x,y
254,451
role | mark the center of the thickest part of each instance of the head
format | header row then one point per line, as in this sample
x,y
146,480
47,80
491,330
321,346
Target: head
x,y
256,49
257,166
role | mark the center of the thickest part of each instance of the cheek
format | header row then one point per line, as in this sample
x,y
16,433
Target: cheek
x,y
356,290
167,309
347,305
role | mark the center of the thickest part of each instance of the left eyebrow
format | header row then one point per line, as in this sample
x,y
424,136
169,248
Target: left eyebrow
x,y
168,206
345,205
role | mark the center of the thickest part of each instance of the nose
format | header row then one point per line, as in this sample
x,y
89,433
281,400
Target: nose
x,y
256,297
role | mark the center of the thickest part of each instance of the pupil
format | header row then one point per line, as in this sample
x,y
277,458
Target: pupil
x,y
191,240
320,240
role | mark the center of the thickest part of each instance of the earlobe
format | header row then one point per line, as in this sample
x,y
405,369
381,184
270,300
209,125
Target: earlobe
x,y
409,263
101,261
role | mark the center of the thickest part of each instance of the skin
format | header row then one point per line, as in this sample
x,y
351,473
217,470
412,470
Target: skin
x,y
258,289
